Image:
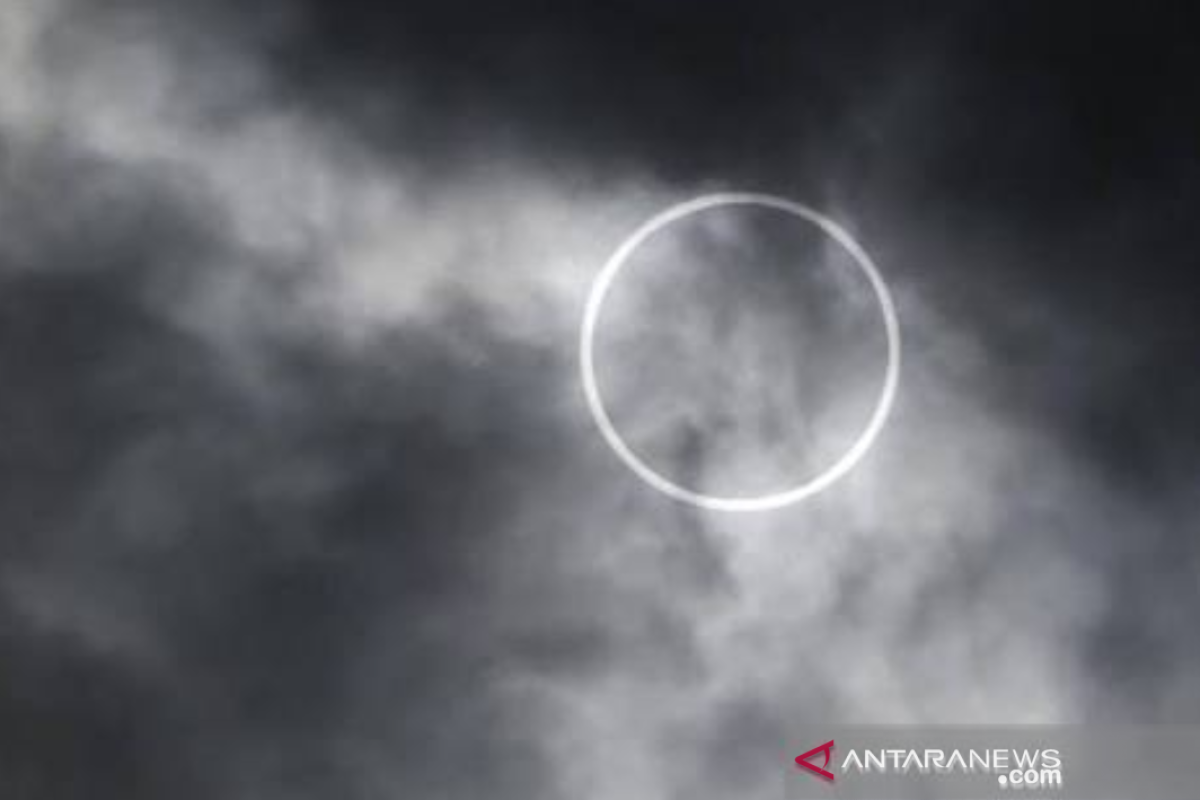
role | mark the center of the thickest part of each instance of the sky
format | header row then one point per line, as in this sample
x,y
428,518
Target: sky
x,y
300,496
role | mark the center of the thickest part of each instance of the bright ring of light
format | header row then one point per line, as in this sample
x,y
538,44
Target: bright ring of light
x,y
764,502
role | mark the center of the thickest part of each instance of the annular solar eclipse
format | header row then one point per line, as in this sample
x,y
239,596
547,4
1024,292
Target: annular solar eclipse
x,y
738,503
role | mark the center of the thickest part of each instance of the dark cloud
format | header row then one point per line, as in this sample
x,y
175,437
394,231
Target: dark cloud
x,y
298,494
212,591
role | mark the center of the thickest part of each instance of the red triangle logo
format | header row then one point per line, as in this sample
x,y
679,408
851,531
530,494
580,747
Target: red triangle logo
x,y
802,760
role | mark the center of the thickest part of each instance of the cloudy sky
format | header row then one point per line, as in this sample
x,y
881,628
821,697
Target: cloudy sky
x,y
299,494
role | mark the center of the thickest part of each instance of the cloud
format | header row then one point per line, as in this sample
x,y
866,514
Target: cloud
x,y
299,495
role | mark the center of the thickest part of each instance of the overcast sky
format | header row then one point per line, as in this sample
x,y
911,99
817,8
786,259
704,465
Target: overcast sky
x,y
299,494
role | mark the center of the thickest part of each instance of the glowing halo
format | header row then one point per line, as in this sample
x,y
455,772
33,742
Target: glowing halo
x,y
763,502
